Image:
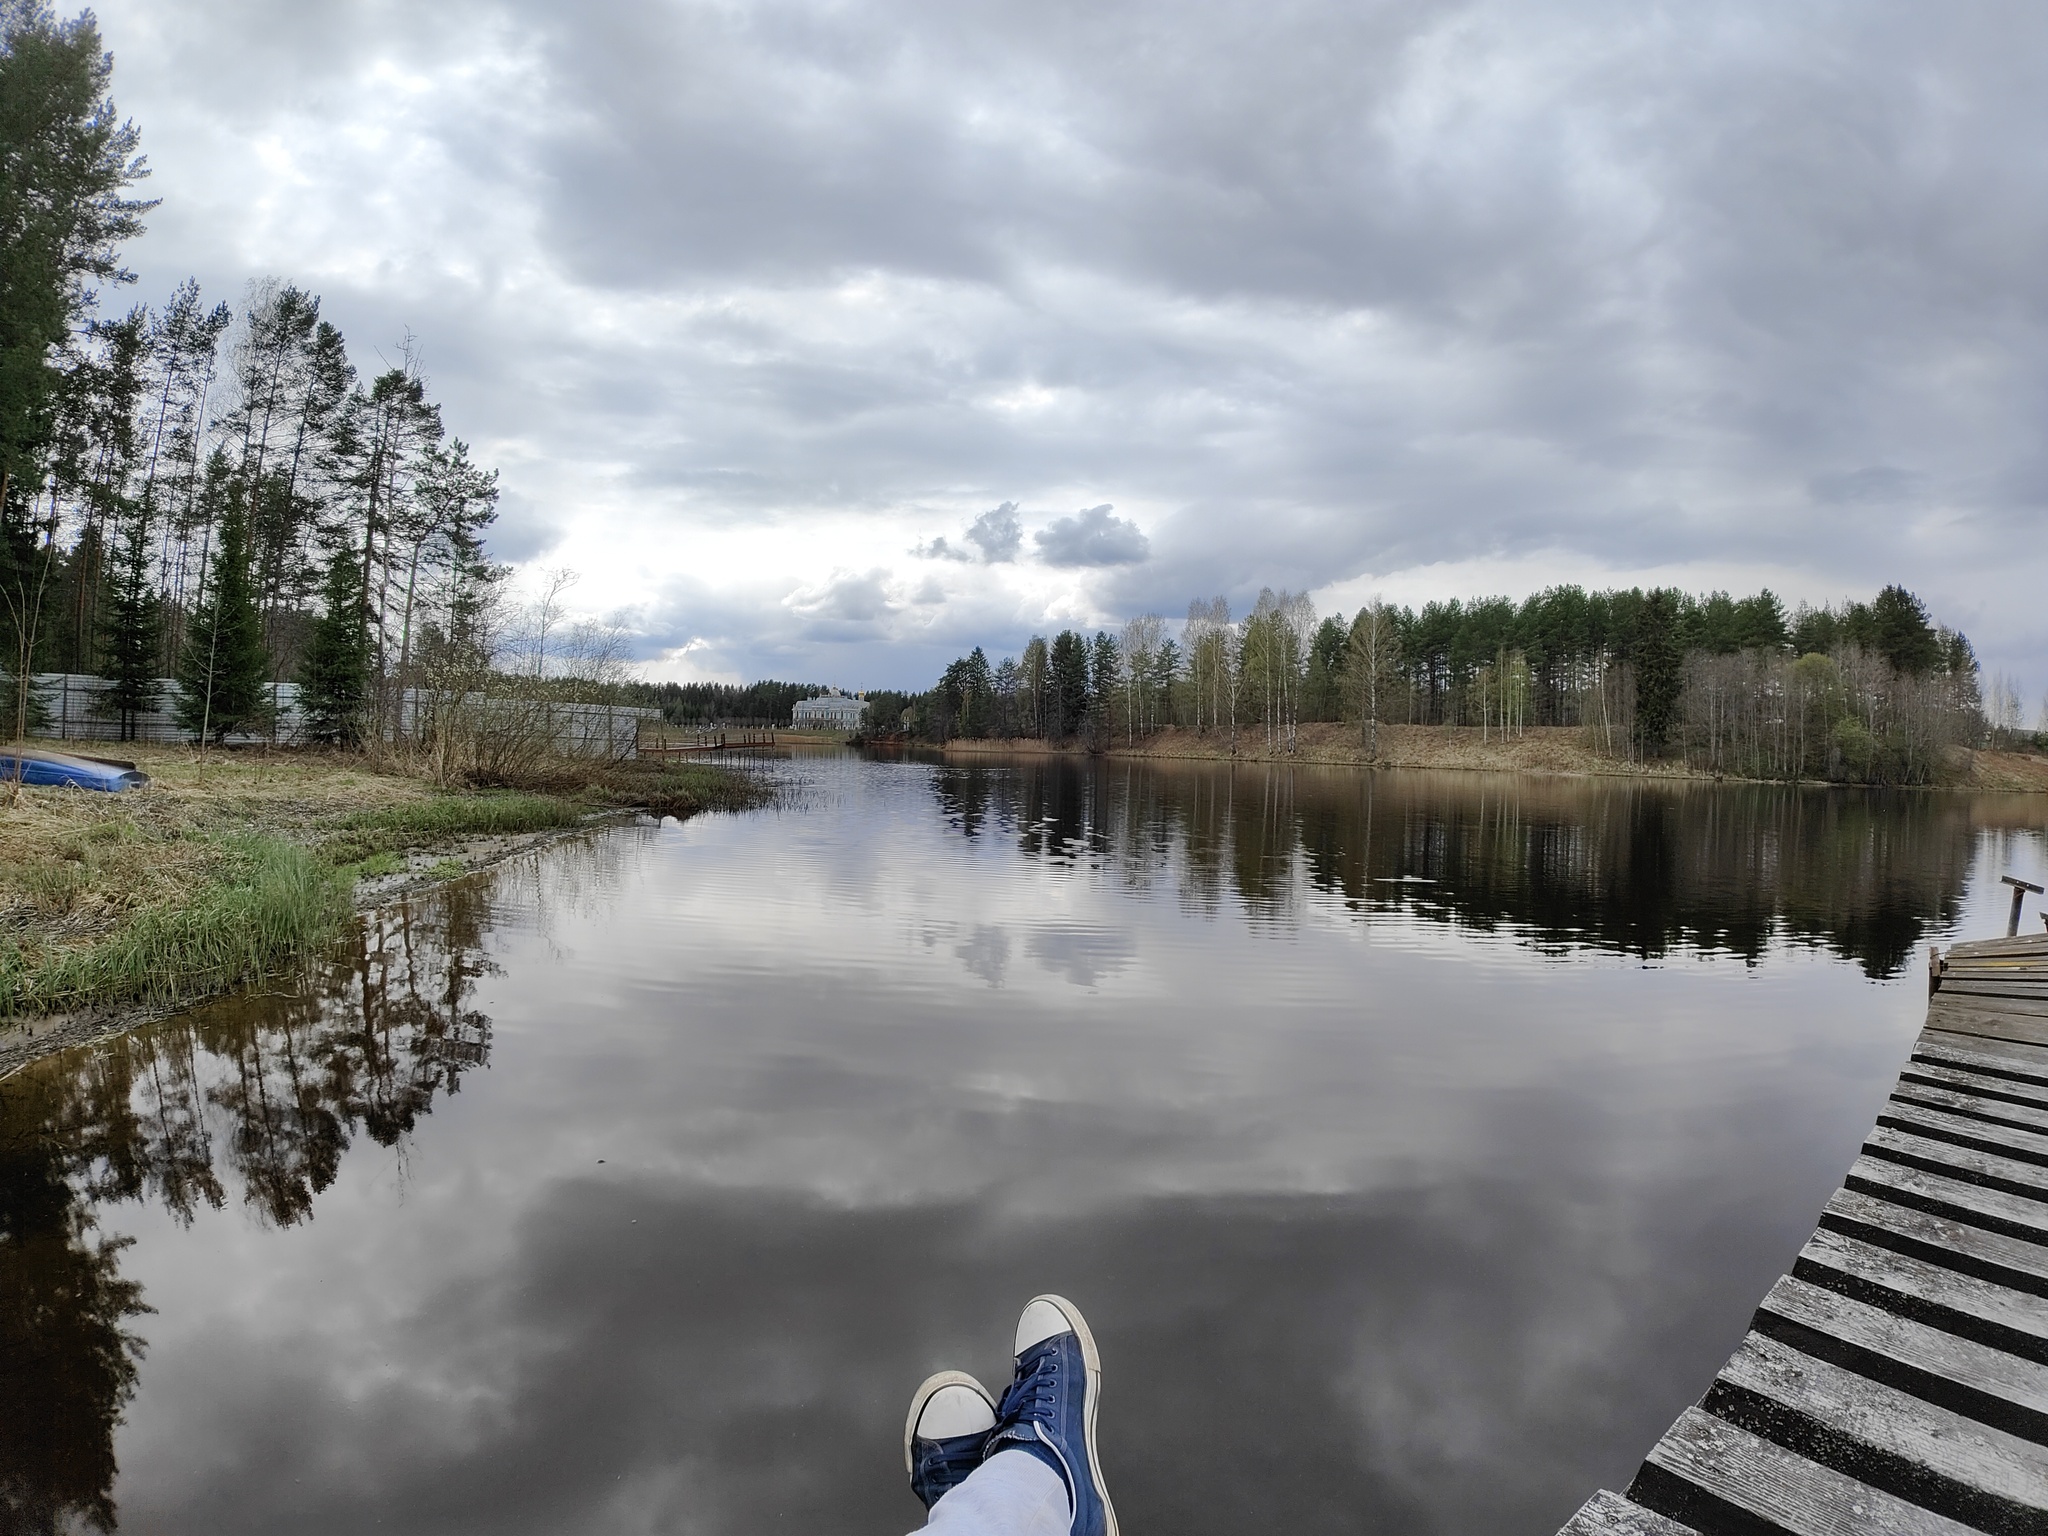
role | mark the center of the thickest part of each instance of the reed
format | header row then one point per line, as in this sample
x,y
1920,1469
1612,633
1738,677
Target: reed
x,y
271,903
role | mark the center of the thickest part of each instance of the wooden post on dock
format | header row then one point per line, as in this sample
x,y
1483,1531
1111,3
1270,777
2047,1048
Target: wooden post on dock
x,y
2019,894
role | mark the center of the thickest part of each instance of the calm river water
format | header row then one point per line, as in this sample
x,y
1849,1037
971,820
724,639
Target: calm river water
x,y
1418,1145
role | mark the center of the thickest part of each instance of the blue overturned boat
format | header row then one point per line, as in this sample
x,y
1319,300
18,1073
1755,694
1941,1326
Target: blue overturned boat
x,y
50,769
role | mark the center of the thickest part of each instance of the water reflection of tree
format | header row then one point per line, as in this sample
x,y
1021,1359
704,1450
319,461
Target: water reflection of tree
x,y
272,1087
1625,866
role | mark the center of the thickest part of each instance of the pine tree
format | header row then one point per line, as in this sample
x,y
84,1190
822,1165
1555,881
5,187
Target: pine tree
x,y
222,674
128,634
334,680
1659,671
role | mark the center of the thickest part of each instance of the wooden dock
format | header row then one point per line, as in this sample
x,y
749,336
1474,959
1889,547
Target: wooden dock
x,y
697,743
1896,1382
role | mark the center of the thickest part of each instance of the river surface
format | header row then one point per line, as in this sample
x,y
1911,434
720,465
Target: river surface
x,y
1418,1145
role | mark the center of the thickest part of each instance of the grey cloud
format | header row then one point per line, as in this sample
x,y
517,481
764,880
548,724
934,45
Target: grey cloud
x,y
849,607
1874,483
1326,290
1083,955
986,953
998,534
1093,536
522,532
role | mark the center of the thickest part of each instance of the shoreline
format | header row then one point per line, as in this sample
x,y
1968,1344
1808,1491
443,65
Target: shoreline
x,y
1541,752
28,1039
229,867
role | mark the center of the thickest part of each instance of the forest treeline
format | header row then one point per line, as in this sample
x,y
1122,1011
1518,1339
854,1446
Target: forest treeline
x,y
212,493
1863,691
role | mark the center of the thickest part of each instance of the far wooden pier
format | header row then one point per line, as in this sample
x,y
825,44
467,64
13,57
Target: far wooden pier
x,y
1896,1382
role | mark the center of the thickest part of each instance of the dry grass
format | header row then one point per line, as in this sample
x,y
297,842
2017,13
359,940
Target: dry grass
x,y
1988,769
228,863
1541,749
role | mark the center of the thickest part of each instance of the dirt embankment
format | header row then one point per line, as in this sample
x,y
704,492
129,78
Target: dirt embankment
x,y
1985,768
1539,749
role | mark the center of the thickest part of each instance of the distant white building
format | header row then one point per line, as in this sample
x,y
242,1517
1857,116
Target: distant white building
x,y
829,711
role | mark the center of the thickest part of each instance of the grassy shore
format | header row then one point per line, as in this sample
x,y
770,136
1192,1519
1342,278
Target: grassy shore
x,y
231,865
1539,750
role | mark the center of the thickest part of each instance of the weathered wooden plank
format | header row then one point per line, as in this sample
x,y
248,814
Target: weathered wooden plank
x,y
1958,1079
1709,1467
2025,1146
1609,1514
1990,1023
1993,1256
1965,1163
1991,988
2005,1058
1984,1383
1941,1003
2025,1116
2022,944
1881,1436
2014,1215
1931,1293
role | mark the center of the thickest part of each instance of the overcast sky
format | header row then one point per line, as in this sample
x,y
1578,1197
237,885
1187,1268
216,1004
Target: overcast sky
x,y
826,339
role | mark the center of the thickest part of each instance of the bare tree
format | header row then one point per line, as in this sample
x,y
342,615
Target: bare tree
x,y
1372,666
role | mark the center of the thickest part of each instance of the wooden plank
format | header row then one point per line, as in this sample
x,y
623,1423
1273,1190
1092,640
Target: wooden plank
x,y
2022,944
1986,1384
1609,1514
1964,1163
1709,1467
1984,1086
2024,1116
2004,1058
1989,986
1930,1293
1883,1437
1995,1209
1966,1002
1942,1003
1990,1023
1986,1026
1993,1256
2025,1146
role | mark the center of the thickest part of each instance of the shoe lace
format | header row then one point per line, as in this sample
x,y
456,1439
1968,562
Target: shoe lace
x,y
1033,1393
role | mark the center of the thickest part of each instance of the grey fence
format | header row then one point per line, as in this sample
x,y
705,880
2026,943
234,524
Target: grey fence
x,y
75,703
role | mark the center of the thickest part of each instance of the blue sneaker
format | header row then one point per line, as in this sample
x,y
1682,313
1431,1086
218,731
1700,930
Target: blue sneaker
x,y
951,1418
1049,1410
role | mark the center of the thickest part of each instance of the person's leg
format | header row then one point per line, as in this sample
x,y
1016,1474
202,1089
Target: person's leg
x,y
1010,1494
1049,1411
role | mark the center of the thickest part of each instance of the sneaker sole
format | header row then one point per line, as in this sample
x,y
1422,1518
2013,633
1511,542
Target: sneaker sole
x,y
1091,1357
924,1395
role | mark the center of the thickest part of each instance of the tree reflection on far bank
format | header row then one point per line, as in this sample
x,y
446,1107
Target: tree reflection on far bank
x,y
261,1093
1632,866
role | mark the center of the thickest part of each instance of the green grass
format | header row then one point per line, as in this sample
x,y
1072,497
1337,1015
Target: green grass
x,y
411,824
376,864
272,903
447,869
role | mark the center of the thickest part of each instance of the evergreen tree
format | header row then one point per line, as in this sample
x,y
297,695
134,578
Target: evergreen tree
x,y
1904,634
222,674
334,680
128,634
1659,674
1068,689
